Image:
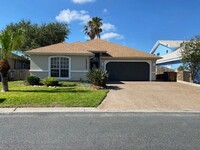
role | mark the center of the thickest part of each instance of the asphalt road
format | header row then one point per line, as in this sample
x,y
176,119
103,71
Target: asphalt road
x,y
112,131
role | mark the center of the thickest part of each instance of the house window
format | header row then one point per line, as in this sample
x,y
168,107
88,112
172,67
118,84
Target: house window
x,y
158,54
166,51
59,67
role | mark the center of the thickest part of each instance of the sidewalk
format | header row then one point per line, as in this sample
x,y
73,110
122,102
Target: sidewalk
x,y
48,109
84,109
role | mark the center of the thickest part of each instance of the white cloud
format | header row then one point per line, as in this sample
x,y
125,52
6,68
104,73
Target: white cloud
x,y
111,35
82,1
105,10
68,16
108,27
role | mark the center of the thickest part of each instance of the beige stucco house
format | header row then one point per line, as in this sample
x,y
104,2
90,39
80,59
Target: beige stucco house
x,y
72,61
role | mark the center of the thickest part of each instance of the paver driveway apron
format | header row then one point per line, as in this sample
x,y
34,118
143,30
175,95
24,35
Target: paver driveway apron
x,y
170,96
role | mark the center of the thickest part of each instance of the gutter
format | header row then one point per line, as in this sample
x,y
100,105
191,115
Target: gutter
x,y
148,58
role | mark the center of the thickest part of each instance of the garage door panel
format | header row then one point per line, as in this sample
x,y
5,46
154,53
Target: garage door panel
x,y
128,71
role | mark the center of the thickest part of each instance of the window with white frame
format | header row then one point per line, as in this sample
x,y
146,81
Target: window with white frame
x,y
59,67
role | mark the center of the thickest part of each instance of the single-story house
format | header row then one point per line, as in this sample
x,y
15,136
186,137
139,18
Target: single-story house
x,y
72,61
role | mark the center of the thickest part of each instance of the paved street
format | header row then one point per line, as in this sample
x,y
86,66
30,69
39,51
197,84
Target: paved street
x,y
149,131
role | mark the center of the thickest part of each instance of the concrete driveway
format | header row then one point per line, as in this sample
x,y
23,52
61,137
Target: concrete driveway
x,y
170,96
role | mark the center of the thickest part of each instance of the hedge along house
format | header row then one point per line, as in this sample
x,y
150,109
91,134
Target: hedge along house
x,y
72,61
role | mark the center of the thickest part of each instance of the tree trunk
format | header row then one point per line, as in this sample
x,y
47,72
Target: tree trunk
x,y
4,81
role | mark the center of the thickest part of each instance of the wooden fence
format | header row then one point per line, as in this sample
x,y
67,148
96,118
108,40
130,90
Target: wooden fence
x,y
18,74
161,70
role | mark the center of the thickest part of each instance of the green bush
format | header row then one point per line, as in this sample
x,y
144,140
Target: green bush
x,y
50,81
181,68
33,80
97,77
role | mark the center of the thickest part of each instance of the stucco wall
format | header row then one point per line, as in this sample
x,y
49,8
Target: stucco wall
x,y
40,74
79,63
77,76
39,63
79,66
153,70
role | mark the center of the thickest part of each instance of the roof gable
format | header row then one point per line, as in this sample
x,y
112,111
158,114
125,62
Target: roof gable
x,y
172,44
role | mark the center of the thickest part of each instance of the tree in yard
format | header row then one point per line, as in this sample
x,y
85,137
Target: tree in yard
x,y
9,41
93,28
40,35
191,55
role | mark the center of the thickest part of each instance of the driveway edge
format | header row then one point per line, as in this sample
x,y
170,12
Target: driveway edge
x,y
188,83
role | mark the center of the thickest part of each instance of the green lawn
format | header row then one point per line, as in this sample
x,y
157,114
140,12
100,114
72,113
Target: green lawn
x,y
71,94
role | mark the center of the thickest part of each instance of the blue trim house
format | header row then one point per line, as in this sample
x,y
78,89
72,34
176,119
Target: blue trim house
x,y
170,52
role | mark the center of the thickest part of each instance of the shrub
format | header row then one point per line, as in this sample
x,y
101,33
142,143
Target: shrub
x,y
97,77
181,68
33,80
50,81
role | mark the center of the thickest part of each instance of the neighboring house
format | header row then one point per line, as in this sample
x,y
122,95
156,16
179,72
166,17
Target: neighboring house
x,y
170,52
72,61
19,67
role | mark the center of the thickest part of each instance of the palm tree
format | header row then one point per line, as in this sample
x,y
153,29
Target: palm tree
x,y
9,41
93,28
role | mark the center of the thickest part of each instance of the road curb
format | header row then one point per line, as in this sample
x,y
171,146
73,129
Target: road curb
x,y
47,109
87,109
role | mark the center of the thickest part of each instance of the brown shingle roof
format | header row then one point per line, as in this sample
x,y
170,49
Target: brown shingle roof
x,y
116,50
61,48
98,45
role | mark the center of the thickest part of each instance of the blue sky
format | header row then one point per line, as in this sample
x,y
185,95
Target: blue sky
x,y
134,23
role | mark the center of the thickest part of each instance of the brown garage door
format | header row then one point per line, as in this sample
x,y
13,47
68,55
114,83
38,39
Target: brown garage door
x,y
128,71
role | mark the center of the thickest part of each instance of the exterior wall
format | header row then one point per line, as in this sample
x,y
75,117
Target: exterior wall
x,y
39,63
80,63
152,65
78,76
79,66
153,70
162,50
40,74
